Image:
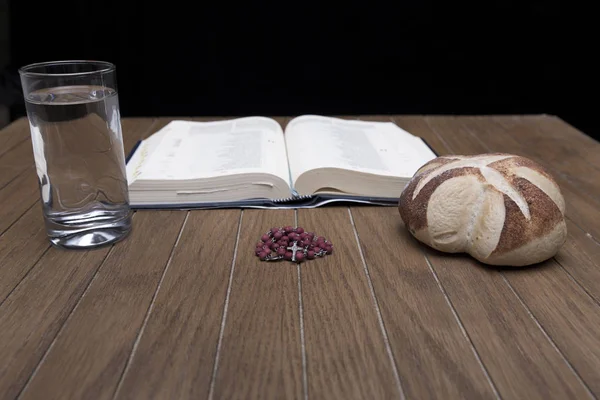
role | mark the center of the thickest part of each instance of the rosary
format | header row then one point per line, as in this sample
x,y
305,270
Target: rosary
x,y
292,244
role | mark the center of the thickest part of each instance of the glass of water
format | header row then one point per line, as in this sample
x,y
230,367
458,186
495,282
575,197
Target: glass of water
x,y
74,119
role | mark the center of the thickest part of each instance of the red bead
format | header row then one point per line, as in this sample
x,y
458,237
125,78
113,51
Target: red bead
x,y
317,249
288,255
311,235
273,230
260,244
278,235
299,256
288,229
306,242
320,239
328,249
267,250
258,251
303,236
265,238
310,254
263,255
299,230
285,237
281,251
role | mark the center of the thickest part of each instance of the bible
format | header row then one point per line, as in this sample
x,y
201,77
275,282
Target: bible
x,y
253,162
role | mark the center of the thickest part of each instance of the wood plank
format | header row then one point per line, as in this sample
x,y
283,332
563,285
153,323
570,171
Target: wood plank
x,y
557,134
17,197
20,248
580,257
34,312
13,134
99,335
346,354
260,354
495,318
434,356
520,359
569,315
14,162
176,353
459,134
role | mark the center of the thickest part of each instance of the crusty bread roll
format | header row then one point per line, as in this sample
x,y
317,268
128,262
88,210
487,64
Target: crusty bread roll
x,y
501,209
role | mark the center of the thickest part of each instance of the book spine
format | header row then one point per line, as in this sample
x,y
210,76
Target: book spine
x,y
292,199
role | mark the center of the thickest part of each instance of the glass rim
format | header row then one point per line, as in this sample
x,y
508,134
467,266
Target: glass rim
x,y
104,67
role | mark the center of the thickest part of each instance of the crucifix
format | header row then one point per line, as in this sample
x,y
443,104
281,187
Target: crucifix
x,y
294,248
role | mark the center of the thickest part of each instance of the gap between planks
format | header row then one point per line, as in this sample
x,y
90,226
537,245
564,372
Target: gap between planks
x,y
213,379
301,316
461,325
541,328
150,309
386,340
39,364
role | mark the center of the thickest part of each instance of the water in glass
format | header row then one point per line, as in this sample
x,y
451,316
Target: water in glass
x,y
77,144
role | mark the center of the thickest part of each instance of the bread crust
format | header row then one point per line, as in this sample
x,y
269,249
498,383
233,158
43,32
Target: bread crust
x,y
511,213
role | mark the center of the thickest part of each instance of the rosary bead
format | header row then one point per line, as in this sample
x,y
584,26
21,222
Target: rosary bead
x,y
287,255
299,230
310,254
281,251
299,256
265,238
277,235
262,255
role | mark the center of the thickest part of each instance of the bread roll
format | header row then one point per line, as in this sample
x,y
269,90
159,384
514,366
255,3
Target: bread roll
x,y
501,209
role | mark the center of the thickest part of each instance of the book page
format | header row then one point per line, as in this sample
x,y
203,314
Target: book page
x,y
380,148
195,150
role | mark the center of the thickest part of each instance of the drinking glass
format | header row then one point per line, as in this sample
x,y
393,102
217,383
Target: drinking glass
x,y
75,125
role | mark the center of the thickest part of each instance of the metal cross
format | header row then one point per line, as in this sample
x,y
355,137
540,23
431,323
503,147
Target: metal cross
x,y
294,249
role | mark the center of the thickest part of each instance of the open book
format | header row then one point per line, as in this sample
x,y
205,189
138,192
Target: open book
x,y
253,162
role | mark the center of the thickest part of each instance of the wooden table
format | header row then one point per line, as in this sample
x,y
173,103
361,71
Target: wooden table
x,y
182,308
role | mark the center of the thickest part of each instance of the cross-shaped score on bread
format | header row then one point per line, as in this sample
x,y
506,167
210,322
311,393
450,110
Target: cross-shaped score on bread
x,y
492,176
502,209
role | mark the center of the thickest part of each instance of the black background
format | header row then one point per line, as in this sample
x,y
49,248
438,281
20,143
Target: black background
x,y
291,58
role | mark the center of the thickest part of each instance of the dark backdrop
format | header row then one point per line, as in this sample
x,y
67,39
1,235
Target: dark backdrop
x,y
289,58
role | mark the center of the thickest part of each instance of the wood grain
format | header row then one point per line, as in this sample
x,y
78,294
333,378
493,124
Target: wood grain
x,y
520,359
435,358
345,349
100,334
15,162
34,312
20,248
13,134
555,136
568,314
176,353
580,257
17,197
260,355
